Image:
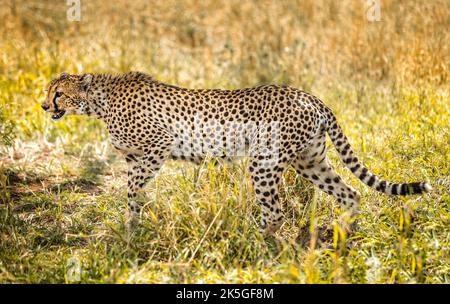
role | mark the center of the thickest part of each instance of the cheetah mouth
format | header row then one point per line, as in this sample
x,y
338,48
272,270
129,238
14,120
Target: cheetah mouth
x,y
58,115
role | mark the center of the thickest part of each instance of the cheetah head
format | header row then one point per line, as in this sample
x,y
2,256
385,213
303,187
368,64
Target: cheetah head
x,y
67,95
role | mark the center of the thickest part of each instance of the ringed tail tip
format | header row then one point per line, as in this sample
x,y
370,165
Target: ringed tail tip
x,y
427,187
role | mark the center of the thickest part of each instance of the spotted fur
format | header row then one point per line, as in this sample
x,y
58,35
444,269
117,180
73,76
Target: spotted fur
x,y
149,122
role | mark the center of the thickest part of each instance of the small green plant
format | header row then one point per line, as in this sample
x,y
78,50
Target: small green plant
x,y
7,134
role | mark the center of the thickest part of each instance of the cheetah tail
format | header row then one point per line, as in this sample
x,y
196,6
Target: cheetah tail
x,y
341,143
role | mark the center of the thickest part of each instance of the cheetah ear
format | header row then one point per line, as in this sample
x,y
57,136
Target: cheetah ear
x,y
86,80
63,75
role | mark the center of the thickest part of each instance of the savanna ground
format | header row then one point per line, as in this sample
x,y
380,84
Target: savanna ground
x,y
63,188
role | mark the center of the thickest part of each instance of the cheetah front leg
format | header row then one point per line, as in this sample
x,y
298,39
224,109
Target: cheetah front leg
x,y
141,169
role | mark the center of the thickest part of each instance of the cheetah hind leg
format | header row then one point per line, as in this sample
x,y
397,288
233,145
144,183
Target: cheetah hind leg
x,y
266,176
314,166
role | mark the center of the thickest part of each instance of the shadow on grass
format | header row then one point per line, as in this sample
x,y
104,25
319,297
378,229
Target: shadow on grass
x,y
23,183
31,208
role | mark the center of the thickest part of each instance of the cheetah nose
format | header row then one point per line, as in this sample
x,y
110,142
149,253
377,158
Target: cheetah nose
x,y
45,107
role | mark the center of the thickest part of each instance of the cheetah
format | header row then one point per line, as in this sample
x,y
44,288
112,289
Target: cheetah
x,y
273,126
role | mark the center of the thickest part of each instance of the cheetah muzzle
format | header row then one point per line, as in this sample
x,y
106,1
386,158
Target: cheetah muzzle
x,y
58,115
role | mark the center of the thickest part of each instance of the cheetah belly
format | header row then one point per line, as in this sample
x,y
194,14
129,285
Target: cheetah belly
x,y
123,147
230,141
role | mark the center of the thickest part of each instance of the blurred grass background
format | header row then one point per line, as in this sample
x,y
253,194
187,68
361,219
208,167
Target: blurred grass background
x,y
62,188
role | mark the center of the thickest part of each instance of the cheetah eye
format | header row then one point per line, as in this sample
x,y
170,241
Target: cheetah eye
x,y
57,95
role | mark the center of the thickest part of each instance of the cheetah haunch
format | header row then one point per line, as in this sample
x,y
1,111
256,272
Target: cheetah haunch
x,y
275,126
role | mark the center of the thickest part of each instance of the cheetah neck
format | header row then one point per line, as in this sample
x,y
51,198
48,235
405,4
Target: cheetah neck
x,y
97,97
104,87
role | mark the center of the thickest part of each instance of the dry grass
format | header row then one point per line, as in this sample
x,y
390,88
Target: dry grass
x,y
62,189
